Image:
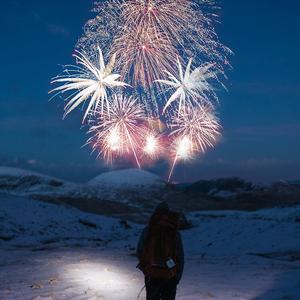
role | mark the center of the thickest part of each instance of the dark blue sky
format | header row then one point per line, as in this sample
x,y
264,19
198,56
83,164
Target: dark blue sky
x,y
260,113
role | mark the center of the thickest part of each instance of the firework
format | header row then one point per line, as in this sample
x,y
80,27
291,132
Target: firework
x,y
119,131
152,146
102,29
142,56
194,130
148,35
144,44
191,87
147,44
90,80
156,125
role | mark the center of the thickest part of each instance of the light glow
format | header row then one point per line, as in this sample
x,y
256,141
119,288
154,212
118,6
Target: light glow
x,y
152,147
184,148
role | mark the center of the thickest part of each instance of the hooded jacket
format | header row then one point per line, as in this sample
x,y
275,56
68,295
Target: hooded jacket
x,y
163,207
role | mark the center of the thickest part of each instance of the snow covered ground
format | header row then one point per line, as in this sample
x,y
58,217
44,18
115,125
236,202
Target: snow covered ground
x,y
55,252
30,223
90,273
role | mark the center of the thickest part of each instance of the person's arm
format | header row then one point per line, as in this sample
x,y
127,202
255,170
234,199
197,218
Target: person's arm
x,y
180,257
141,243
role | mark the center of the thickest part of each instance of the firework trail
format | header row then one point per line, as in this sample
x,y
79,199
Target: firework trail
x,y
119,131
193,131
89,80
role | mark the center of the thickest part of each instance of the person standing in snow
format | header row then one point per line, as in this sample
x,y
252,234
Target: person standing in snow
x,y
160,253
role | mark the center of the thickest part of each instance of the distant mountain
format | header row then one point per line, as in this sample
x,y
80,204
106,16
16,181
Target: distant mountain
x,y
296,182
229,185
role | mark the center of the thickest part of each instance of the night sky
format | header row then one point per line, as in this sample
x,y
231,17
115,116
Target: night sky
x,y
260,112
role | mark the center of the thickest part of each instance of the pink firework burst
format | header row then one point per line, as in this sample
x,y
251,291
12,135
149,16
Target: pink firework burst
x,y
193,130
120,130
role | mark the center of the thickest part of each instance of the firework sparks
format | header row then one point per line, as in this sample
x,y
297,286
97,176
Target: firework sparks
x,y
149,34
143,56
184,148
89,80
153,147
144,45
119,131
156,125
102,29
194,131
191,87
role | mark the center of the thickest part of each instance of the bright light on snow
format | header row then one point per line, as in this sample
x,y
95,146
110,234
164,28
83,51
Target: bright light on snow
x,y
106,280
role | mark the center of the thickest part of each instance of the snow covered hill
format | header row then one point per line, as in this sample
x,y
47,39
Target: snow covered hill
x,y
130,186
19,181
130,178
121,186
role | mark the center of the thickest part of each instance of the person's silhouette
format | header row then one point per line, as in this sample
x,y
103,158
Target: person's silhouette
x,y
160,254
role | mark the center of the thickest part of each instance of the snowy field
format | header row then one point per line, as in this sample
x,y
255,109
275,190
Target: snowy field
x,y
54,252
90,273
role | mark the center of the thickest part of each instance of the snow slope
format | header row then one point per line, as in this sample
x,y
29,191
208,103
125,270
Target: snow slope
x,y
136,178
31,223
234,233
130,186
19,181
16,172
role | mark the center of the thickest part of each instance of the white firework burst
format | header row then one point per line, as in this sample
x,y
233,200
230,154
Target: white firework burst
x,y
192,88
90,80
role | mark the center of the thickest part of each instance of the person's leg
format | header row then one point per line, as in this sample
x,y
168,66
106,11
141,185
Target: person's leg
x,y
169,290
153,289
